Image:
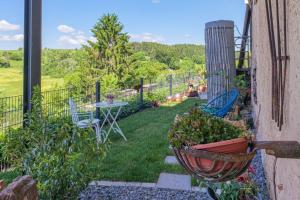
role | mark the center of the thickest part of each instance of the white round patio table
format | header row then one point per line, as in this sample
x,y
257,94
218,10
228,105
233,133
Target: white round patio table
x,y
110,117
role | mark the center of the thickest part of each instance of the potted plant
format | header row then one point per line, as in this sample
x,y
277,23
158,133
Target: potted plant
x,y
200,131
191,91
203,86
110,98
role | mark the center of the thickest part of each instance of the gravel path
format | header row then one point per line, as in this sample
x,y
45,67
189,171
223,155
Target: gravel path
x,y
260,178
138,193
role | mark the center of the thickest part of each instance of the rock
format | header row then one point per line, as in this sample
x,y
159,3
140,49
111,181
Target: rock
x,y
23,188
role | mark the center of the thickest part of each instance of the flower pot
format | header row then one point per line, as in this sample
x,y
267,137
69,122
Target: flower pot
x,y
234,146
202,88
110,101
192,94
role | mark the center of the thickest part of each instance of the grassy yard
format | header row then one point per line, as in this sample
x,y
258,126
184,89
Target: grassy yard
x,y
141,158
11,80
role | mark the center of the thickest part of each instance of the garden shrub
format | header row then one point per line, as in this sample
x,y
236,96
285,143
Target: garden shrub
x,y
4,62
54,152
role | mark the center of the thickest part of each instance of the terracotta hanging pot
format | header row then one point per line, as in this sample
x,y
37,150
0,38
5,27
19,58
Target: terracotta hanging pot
x,y
234,146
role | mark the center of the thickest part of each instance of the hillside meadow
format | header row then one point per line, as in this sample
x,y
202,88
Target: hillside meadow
x,y
11,80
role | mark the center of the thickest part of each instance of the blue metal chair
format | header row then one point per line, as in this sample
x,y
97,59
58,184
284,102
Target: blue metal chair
x,y
221,105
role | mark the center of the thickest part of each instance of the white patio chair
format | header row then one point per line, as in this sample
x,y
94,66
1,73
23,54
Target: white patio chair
x,y
84,120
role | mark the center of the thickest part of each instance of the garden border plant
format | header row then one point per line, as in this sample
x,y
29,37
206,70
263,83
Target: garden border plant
x,y
197,127
54,152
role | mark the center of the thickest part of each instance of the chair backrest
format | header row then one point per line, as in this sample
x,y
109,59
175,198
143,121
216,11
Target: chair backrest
x,y
73,110
223,103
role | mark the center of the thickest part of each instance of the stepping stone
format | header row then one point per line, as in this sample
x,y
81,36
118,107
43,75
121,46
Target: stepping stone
x,y
174,181
203,95
171,160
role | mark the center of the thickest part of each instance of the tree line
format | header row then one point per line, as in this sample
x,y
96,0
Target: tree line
x,y
114,60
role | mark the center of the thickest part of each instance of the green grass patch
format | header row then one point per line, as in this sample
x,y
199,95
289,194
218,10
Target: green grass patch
x,y
141,158
9,176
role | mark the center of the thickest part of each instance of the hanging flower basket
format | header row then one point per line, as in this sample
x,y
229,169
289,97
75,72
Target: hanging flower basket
x,y
210,148
220,161
239,145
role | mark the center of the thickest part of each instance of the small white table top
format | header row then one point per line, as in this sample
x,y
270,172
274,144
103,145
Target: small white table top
x,y
105,104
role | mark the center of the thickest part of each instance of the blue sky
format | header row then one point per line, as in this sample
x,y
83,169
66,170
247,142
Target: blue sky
x,y
67,23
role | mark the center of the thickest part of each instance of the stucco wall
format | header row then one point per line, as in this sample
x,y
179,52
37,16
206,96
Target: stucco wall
x,y
287,170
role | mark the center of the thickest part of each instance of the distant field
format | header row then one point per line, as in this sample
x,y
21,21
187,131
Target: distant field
x,y
11,80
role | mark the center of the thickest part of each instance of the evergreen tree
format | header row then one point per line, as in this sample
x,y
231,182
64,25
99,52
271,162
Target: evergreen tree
x,y
111,48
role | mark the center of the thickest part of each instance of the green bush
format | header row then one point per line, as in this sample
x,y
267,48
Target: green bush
x,y
159,95
16,55
4,62
197,127
54,152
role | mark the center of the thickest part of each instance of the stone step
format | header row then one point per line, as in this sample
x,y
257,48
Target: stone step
x,y
171,160
174,181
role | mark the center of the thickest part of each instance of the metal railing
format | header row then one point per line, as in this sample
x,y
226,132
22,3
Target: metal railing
x,y
55,102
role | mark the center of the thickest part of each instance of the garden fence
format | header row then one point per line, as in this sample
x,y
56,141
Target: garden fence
x,y
55,102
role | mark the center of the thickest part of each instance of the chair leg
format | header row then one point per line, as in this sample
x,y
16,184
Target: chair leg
x,y
98,134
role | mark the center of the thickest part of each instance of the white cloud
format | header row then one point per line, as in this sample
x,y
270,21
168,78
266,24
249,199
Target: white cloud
x,y
65,29
187,35
147,37
76,39
12,38
155,1
72,38
6,26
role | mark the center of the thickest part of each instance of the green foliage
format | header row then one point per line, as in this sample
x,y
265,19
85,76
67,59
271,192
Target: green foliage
x,y
197,127
16,55
58,62
109,83
111,50
4,62
79,82
54,152
241,82
157,95
171,54
238,191
9,175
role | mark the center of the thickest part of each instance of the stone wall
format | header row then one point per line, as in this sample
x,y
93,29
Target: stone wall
x,y
287,170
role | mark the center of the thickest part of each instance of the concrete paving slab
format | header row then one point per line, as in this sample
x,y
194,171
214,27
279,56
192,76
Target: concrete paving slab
x,y
171,160
174,181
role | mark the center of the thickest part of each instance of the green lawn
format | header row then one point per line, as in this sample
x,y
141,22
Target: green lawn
x,y
141,158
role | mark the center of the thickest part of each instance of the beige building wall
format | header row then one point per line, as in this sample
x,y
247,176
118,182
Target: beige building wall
x,y
287,170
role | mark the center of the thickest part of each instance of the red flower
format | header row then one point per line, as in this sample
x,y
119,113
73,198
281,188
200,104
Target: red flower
x,y
242,179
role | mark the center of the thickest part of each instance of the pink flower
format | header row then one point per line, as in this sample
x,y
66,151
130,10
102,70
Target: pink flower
x,y
251,169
